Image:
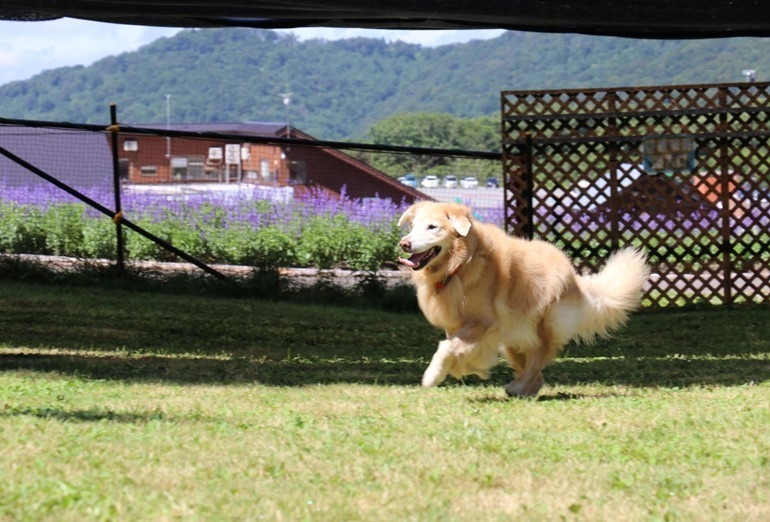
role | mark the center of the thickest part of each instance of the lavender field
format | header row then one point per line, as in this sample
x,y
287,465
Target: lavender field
x,y
244,225
271,228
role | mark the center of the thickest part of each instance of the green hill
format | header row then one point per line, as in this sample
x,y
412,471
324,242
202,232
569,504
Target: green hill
x,y
340,88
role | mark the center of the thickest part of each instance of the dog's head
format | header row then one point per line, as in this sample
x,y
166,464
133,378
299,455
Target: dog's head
x,y
435,227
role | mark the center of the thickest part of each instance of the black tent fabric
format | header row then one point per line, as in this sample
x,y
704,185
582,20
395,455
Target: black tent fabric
x,y
658,19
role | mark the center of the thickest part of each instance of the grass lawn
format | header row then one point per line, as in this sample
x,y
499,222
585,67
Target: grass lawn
x,y
134,405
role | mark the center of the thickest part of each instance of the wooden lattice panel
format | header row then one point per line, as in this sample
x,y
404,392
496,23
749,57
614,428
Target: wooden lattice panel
x,y
576,175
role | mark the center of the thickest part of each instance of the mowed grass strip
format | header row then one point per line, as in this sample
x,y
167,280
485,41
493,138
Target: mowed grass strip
x,y
120,405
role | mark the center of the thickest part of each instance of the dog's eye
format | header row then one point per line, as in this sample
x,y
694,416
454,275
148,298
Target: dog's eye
x,y
432,227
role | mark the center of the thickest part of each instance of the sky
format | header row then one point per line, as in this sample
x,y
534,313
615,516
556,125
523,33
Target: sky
x,y
28,48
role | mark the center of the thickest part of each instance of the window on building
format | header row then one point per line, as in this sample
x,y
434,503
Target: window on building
x,y
215,155
178,168
297,173
124,167
196,167
149,171
130,145
264,170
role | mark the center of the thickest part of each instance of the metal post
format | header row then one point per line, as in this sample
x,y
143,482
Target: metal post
x,y
114,129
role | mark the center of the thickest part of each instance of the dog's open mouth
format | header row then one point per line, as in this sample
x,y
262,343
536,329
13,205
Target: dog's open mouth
x,y
419,260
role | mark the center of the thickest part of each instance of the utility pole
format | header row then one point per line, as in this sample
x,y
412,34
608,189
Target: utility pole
x,y
168,125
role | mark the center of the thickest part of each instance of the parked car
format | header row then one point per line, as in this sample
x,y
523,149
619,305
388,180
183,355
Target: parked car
x,y
409,180
450,181
469,182
430,181
492,182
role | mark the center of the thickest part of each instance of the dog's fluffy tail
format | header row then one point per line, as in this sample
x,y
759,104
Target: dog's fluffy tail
x,y
610,295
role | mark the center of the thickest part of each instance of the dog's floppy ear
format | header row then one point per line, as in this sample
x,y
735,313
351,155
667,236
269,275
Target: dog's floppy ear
x,y
408,215
461,220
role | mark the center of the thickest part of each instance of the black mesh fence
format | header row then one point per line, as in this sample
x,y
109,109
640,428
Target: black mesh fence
x,y
254,194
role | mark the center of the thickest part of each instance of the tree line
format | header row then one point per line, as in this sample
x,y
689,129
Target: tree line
x,y
342,89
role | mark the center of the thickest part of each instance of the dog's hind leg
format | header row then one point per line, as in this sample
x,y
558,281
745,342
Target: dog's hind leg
x,y
529,364
529,375
516,359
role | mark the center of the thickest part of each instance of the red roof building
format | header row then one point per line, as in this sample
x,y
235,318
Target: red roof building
x,y
150,159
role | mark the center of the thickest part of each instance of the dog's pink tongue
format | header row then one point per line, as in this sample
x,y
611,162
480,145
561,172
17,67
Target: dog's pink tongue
x,y
414,259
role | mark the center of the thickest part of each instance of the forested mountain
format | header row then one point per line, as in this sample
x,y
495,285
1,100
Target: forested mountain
x,y
340,88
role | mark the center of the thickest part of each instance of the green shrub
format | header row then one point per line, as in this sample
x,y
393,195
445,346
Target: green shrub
x,y
140,248
100,238
63,224
268,247
320,241
21,229
324,241
369,250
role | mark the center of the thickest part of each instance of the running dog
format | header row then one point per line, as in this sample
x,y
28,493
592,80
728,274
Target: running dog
x,y
494,293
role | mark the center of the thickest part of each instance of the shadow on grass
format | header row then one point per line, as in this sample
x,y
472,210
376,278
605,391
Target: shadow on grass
x,y
544,396
662,371
236,341
202,370
85,415
634,371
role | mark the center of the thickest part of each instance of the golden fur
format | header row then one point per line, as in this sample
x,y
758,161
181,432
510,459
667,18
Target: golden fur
x,y
494,293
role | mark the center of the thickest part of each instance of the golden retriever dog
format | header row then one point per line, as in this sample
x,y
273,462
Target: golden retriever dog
x,y
494,293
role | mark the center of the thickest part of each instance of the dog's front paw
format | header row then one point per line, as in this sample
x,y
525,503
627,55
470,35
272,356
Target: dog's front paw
x,y
438,367
432,377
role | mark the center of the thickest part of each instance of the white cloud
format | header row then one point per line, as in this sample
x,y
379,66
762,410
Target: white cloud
x,y
28,48
428,38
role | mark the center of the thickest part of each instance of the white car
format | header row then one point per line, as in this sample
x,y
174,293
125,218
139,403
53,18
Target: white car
x,y
469,182
430,181
450,181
